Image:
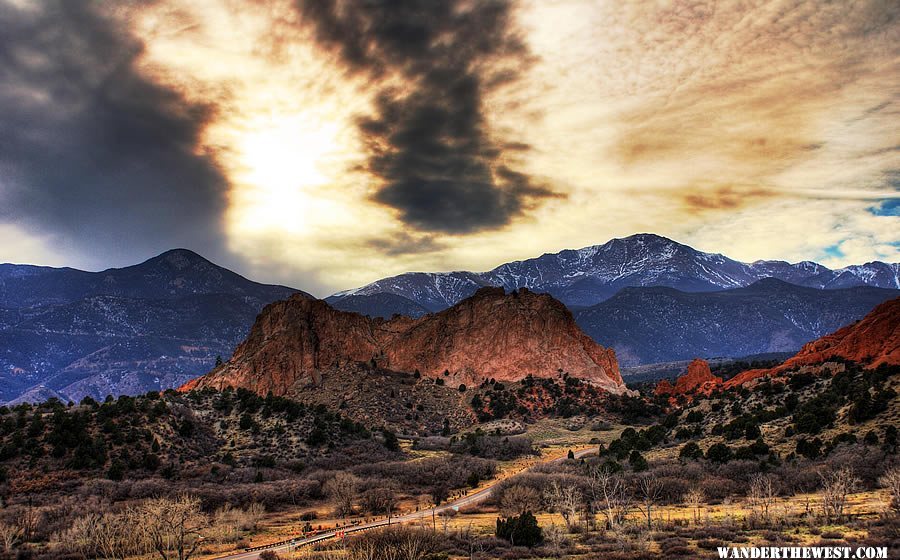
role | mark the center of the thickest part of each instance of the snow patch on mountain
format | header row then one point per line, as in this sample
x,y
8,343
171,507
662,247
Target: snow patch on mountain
x,y
590,275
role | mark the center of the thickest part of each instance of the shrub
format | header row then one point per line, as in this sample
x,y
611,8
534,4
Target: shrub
x,y
684,433
390,440
809,448
384,544
719,453
116,470
759,447
520,530
751,432
691,451
710,544
637,461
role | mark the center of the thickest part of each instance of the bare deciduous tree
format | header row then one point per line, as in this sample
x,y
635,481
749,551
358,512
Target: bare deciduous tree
x,y
395,543
518,499
565,500
116,536
9,536
836,486
554,539
342,489
649,490
381,500
228,523
80,537
446,516
763,494
891,481
610,495
694,499
109,536
171,526
472,543
26,519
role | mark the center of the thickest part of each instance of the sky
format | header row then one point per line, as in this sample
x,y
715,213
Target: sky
x,y
325,145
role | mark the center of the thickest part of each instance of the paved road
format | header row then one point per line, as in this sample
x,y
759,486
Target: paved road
x,y
471,499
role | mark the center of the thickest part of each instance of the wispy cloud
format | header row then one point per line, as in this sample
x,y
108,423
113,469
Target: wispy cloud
x,y
327,146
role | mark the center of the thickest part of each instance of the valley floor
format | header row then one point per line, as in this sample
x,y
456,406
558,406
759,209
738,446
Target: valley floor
x,y
677,529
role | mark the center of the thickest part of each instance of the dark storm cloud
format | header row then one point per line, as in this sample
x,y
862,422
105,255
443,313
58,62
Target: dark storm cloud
x,y
428,140
406,244
93,152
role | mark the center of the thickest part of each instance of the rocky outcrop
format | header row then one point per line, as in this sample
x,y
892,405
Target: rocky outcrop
x,y
697,379
664,387
489,335
872,341
293,340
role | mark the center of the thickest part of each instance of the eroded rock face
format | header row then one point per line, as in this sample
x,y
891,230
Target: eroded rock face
x,y
872,341
489,335
698,378
698,375
664,387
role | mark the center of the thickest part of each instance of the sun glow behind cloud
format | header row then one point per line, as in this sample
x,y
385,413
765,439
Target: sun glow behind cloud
x,y
283,131
765,131
670,118
280,162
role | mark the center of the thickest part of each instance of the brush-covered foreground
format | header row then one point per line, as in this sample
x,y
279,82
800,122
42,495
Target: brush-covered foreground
x,y
805,459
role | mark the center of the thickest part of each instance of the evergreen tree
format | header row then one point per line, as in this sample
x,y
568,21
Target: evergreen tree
x,y
521,530
390,440
719,453
637,461
691,451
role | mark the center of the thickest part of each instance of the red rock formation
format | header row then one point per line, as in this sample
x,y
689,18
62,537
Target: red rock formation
x,y
698,374
697,379
664,388
489,335
872,341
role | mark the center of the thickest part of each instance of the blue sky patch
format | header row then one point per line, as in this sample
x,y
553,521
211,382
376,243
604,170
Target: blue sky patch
x,y
889,207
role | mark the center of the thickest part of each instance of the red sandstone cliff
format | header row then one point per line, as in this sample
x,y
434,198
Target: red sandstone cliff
x,y
664,387
489,335
872,341
698,378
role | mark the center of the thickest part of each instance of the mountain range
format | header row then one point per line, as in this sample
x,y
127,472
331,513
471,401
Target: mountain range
x,y
588,276
659,324
873,341
70,333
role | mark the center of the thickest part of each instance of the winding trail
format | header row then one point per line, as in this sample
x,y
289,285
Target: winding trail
x,y
471,499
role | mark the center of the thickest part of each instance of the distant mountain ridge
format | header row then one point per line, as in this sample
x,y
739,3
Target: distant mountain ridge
x,y
71,333
384,305
872,341
178,272
588,276
658,324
